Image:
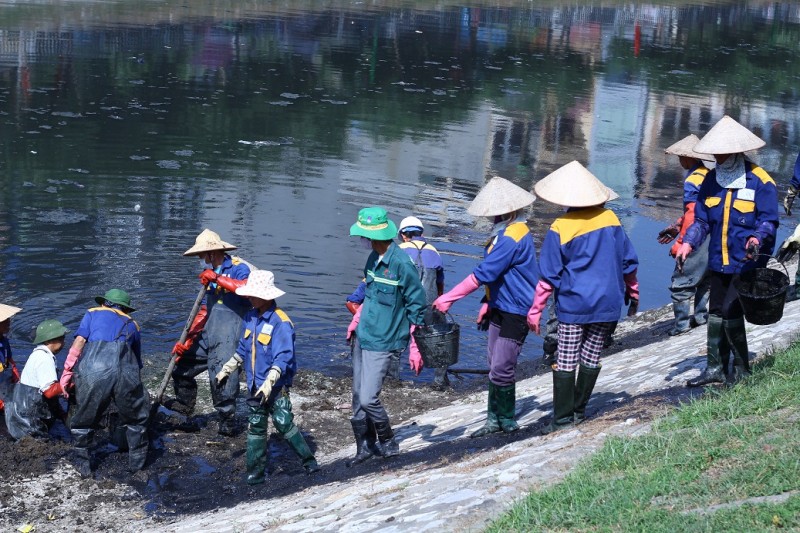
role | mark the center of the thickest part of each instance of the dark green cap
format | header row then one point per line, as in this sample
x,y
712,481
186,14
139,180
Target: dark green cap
x,y
48,330
116,296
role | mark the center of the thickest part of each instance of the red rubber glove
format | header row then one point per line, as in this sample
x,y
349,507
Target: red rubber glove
x,y
208,276
198,323
469,285
414,357
352,307
53,390
230,284
543,292
351,329
14,371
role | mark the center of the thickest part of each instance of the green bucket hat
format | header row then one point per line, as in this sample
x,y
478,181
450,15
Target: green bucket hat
x,y
373,223
116,296
48,330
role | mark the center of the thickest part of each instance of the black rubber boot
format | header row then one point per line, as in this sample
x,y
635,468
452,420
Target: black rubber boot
x,y
82,460
362,447
81,456
492,424
584,386
506,408
563,401
372,439
713,371
227,426
137,447
737,337
386,438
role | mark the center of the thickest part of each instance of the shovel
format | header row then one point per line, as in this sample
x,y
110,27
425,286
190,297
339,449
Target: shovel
x,y
159,397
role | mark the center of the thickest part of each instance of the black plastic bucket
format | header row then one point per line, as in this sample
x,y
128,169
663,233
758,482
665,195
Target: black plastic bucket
x,y
762,293
438,343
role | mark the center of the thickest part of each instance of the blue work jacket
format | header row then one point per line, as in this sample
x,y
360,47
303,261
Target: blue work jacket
x,y
267,340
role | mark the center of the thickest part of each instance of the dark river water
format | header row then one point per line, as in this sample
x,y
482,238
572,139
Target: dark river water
x,y
128,127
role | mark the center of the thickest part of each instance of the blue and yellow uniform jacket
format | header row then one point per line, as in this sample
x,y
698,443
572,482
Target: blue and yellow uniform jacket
x,y
393,301
795,181
267,340
107,324
509,269
234,268
584,257
728,217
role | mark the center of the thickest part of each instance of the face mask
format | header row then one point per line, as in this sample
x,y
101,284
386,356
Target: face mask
x,y
366,243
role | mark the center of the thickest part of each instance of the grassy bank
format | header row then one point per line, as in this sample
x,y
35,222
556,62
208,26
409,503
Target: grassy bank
x,y
727,462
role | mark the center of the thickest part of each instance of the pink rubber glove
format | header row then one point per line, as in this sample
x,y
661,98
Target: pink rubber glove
x,y
467,286
631,286
414,357
543,292
482,313
69,364
752,247
680,256
351,329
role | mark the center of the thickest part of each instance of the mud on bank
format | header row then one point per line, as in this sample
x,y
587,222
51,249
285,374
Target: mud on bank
x,y
191,469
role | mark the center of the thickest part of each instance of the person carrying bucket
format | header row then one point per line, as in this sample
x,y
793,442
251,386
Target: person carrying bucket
x,y
589,264
104,364
35,406
509,272
431,274
689,279
737,210
394,302
266,349
214,333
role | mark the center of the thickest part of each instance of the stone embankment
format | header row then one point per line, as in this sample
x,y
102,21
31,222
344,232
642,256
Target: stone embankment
x,y
444,480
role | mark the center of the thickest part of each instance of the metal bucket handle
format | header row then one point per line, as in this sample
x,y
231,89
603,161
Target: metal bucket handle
x,y
746,259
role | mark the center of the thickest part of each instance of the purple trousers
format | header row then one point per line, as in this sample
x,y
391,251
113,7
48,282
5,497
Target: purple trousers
x,y
507,333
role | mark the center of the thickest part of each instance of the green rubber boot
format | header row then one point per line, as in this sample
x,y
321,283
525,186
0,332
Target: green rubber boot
x,y
506,404
737,337
563,401
584,386
300,447
492,425
713,372
256,456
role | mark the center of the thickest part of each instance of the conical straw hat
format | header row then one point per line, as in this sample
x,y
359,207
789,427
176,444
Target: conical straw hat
x,y
499,197
573,186
728,137
7,311
208,241
685,148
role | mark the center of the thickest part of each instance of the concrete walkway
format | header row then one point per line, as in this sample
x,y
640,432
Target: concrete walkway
x,y
445,481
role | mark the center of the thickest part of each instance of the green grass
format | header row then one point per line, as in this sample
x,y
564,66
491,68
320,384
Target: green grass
x,y
720,450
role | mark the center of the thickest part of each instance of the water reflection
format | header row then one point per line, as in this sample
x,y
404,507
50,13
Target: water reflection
x,y
126,132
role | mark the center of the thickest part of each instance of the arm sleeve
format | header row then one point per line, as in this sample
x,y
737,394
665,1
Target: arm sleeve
x,y
795,181
243,346
698,231
282,344
497,261
630,261
359,294
767,214
551,263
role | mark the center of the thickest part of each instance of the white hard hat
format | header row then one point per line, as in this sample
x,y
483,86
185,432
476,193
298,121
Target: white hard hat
x,y
411,224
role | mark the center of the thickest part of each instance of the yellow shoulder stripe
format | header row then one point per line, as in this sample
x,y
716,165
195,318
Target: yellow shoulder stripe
x,y
235,260
583,221
283,316
418,246
762,175
517,231
696,178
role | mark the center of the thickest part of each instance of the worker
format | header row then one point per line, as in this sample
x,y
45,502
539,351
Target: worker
x,y
9,374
